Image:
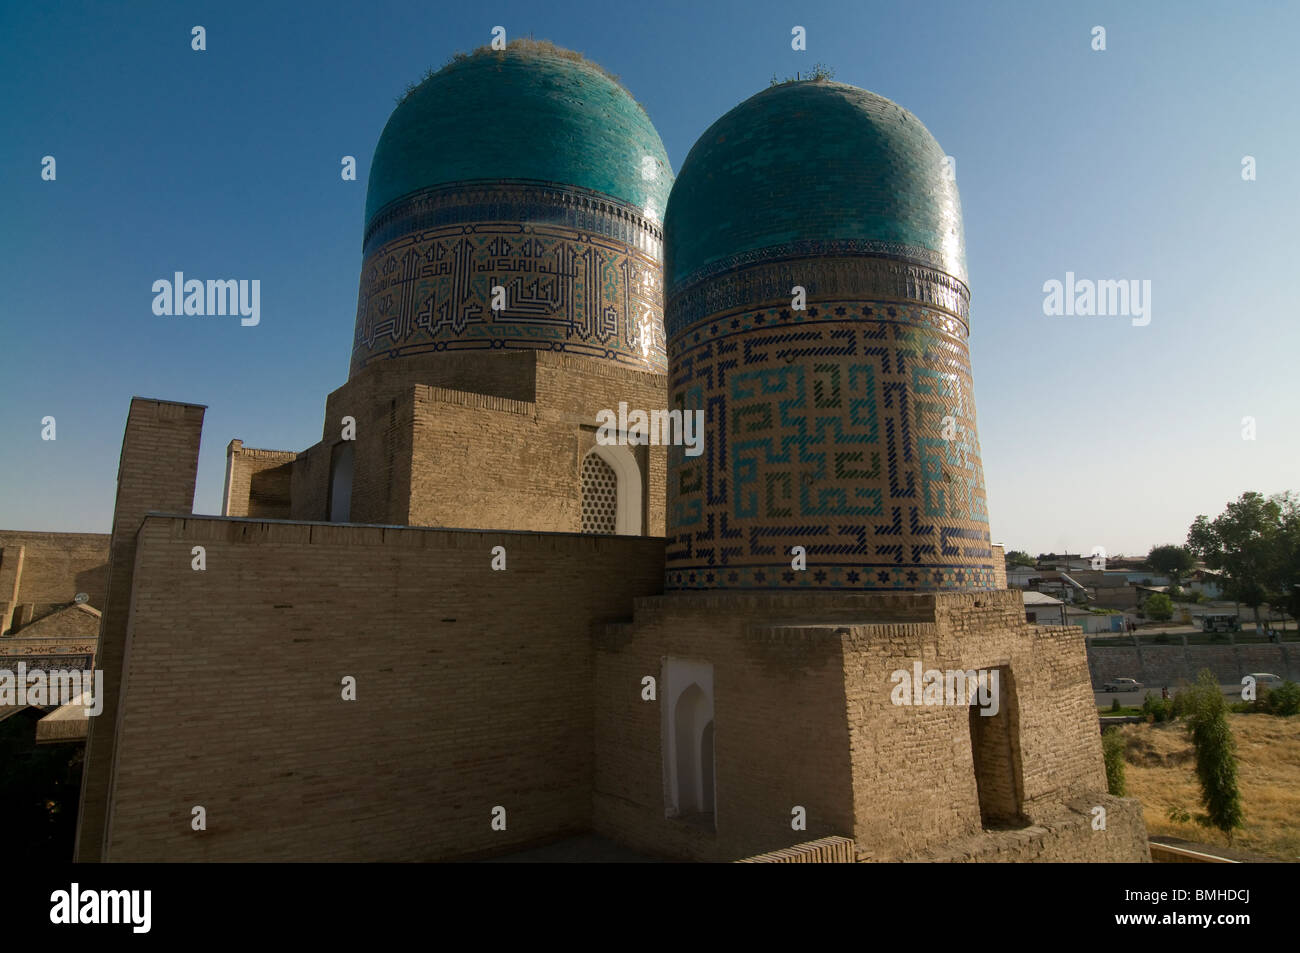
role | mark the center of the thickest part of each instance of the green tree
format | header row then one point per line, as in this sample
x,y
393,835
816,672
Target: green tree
x,y
1254,543
1172,561
1112,752
1216,755
1284,578
1016,558
1158,606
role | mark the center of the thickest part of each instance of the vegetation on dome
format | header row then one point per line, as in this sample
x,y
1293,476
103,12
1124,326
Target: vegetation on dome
x,y
820,73
522,45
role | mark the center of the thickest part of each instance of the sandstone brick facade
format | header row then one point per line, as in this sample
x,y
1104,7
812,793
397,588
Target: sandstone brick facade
x,y
473,689
477,441
157,471
45,571
804,717
999,566
258,482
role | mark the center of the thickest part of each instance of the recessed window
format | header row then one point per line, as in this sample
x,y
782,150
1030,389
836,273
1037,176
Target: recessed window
x,y
689,774
612,497
341,483
599,496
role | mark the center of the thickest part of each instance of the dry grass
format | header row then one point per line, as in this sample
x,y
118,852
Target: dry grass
x,y
1160,768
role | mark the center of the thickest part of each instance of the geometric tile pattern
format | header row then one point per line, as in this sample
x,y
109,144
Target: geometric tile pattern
x,y
848,429
599,496
581,275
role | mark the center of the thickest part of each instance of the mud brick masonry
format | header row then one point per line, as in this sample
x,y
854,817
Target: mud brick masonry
x,y
691,656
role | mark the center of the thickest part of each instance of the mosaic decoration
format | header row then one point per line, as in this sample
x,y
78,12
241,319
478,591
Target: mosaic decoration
x,y
848,429
581,274
824,269
48,663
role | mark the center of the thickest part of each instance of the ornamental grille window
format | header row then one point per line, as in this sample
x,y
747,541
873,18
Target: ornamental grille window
x,y
599,496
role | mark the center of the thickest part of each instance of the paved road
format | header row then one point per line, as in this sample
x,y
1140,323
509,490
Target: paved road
x,y
1135,699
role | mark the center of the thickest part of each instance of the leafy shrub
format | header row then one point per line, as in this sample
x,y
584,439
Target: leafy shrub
x,y
1112,751
1158,606
1157,709
1283,700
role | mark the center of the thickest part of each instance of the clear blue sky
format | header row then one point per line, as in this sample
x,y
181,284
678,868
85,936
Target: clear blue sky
x,y
1119,164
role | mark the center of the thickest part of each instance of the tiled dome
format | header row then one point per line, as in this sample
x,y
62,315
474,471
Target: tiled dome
x,y
525,113
812,161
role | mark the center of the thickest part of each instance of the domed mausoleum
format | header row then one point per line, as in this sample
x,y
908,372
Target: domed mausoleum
x,y
511,290
531,170
486,579
840,419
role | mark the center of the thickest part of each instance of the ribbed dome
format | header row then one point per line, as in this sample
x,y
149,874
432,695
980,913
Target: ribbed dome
x,y
813,161
529,112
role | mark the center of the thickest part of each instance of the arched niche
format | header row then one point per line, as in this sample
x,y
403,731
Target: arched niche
x,y
630,493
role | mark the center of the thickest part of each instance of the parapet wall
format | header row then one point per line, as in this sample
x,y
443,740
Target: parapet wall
x,y
47,570
258,482
473,689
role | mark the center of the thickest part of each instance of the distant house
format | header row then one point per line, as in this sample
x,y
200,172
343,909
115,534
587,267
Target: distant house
x,y
1207,582
1064,561
1059,584
1018,577
1042,609
1127,563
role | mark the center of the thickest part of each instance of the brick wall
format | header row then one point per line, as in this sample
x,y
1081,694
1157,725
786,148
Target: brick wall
x,y
1158,666
826,850
54,568
466,440
804,717
156,471
571,390
999,566
77,624
258,481
480,461
1062,834
473,689
429,454
780,736
309,485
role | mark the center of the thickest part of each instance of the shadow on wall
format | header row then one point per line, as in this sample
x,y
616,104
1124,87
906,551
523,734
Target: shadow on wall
x,y
93,582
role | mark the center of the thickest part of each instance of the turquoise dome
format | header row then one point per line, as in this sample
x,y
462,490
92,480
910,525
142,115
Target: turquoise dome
x,y
813,162
521,113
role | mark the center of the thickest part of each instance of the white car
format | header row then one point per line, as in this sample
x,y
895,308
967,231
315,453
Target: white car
x,y
1122,685
1264,678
